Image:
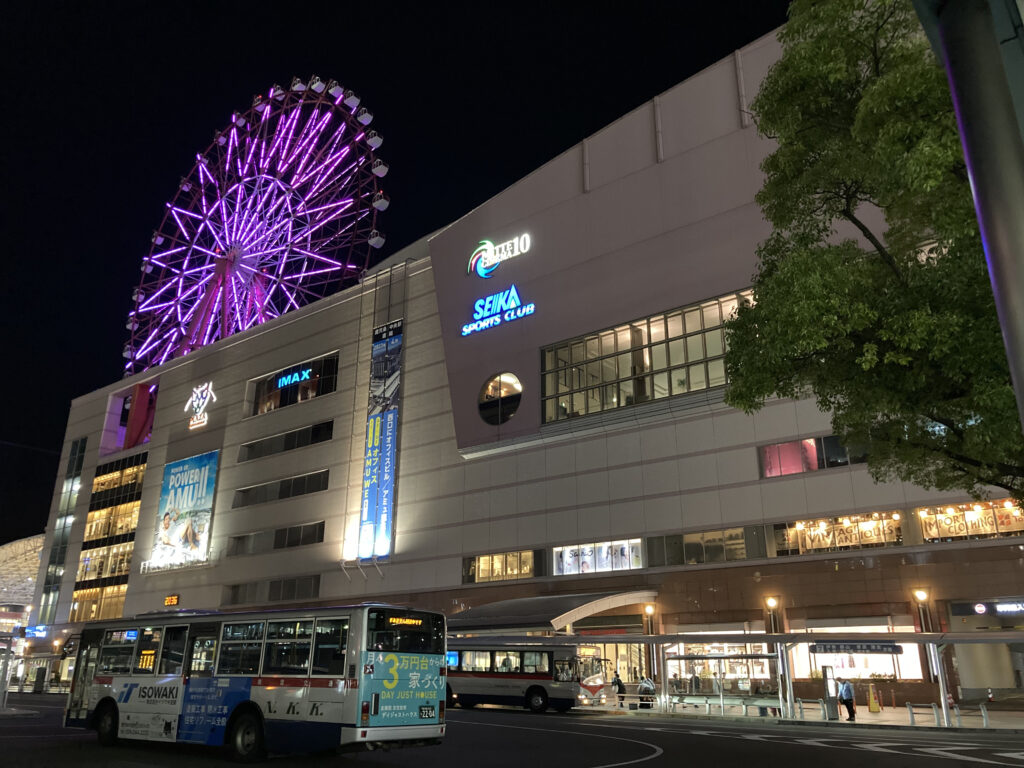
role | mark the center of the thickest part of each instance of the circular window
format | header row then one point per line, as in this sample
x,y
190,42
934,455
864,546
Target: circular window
x,y
499,398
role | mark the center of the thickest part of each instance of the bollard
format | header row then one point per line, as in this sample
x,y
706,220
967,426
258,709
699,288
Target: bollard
x,y
984,714
910,709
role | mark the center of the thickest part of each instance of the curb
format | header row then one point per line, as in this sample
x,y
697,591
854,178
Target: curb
x,y
17,713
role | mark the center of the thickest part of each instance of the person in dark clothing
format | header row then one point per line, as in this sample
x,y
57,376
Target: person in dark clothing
x,y
620,688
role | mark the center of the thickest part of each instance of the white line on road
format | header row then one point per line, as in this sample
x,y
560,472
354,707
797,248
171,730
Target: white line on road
x,y
657,751
948,752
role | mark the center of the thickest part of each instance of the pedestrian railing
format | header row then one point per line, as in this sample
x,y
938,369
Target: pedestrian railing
x,y
934,707
820,702
982,710
722,703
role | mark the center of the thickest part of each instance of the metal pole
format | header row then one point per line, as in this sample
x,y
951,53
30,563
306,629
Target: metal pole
x,y
780,650
789,678
664,677
721,689
933,655
6,653
995,162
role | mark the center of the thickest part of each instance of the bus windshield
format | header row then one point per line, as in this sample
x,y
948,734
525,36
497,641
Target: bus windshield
x,y
404,631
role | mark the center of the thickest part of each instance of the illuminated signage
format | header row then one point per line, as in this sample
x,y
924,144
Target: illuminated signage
x,y
185,512
980,608
488,256
171,600
131,635
405,621
502,307
37,631
1009,608
201,397
294,378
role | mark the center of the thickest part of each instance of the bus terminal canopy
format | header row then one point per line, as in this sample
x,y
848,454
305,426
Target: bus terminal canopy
x,y
547,612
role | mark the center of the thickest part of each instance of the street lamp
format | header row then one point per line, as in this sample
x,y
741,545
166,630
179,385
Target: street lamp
x,y
923,614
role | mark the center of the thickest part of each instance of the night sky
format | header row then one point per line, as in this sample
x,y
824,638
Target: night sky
x,y
106,105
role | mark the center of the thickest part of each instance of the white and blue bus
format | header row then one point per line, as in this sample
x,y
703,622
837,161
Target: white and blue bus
x,y
354,677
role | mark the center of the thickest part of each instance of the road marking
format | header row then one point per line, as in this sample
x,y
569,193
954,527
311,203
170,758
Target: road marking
x,y
947,752
657,751
882,747
1014,755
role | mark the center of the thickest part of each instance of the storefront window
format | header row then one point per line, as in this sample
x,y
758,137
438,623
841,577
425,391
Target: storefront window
x,y
875,529
597,558
974,520
499,567
859,666
730,676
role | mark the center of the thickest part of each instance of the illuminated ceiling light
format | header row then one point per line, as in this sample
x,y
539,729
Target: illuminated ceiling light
x,y
771,602
949,510
920,595
846,521
895,515
799,526
822,525
977,508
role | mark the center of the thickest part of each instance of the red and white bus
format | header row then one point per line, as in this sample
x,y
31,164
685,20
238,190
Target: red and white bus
x,y
525,672
354,677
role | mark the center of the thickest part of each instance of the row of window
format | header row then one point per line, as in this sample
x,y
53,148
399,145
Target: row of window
x,y
61,532
281,538
289,441
104,562
118,520
659,356
290,647
281,489
276,590
509,662
975,520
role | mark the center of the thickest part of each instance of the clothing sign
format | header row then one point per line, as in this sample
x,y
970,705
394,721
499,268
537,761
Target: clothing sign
x,y
380,459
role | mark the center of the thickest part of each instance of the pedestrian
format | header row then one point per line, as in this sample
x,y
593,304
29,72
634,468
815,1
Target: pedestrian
x,y
620,688
846,698
695,683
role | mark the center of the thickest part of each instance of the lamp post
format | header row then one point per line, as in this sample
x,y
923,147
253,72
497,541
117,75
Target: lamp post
x,y
924,616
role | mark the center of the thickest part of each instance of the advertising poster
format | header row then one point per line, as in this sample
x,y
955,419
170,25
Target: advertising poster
x,y
183,518
380,459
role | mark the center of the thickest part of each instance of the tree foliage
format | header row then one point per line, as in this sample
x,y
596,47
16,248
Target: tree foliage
x,y
872,293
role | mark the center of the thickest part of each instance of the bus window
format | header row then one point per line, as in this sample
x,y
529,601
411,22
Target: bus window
x,y
252,630
116,656
563,670
241,658
476,661
204,649
329,647
288,646
506,661
535,661
148,645
173,651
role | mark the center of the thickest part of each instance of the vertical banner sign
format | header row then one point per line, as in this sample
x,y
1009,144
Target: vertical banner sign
x,y
380,460
185,511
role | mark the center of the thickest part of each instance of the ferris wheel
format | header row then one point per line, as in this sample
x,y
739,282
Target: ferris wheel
x,y
280,210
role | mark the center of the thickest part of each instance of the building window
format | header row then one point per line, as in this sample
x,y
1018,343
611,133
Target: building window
x,y
499,398
807,455
836,534
105,562
502,566
973,520
281,489
664,355
301,588
98,603
61,532
130,418
299,535
289,441
596,558
296,384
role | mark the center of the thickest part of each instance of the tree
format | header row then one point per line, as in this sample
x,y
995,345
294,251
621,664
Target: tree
x,y
871,293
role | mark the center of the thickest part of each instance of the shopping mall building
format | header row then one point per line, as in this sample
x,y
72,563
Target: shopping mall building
x,y
528,403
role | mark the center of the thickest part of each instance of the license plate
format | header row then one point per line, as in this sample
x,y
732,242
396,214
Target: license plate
x,y
426,712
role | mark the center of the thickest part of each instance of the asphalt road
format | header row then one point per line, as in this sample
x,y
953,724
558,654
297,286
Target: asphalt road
x,y
508,738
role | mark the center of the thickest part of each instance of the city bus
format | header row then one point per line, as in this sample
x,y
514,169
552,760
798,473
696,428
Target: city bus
x,y
350,677
526,672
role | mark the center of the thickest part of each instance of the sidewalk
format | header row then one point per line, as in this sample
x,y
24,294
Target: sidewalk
x,y
24,705
899,717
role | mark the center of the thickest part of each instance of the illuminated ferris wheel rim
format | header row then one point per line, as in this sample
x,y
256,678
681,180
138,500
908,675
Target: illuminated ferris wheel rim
x,y
279,209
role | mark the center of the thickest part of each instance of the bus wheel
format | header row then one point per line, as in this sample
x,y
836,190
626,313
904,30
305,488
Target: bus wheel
x,y
106,725
245,738
536,700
